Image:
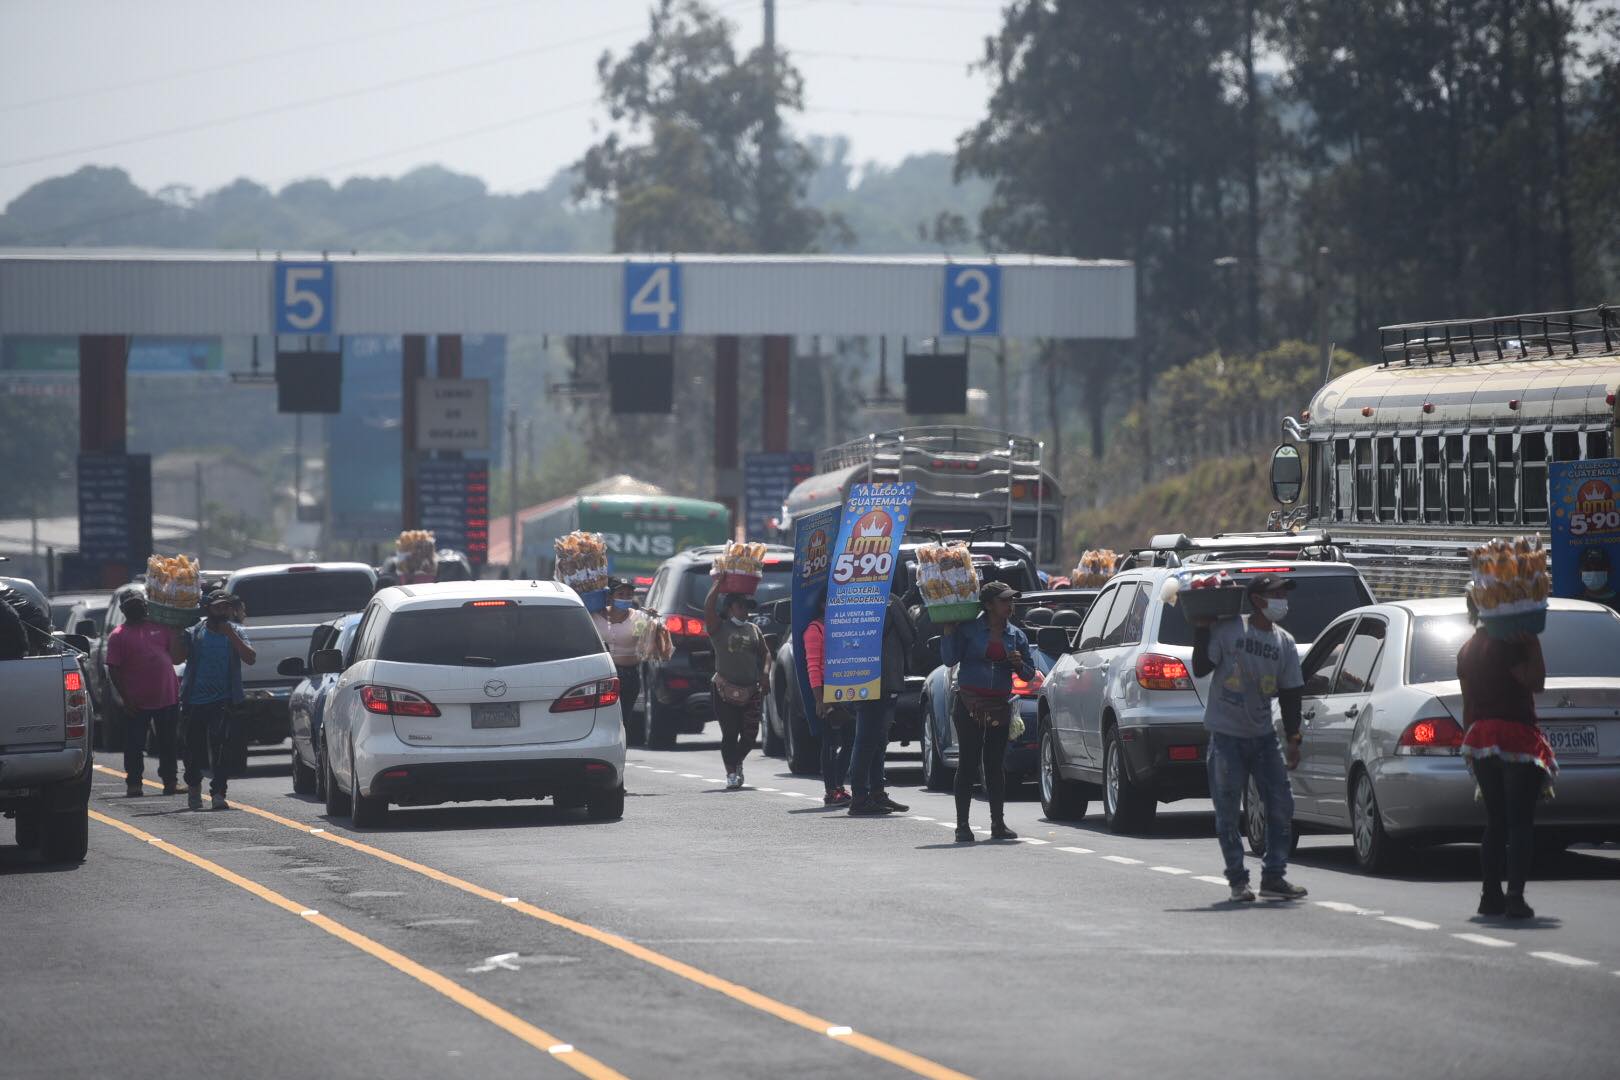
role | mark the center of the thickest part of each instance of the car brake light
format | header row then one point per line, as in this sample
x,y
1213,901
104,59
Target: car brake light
x,y
1023,687
490,603
72,682
598,694
1184,753
684,625
302,569
676,682
76,707
1158,672
1437,735
1266,569
387,701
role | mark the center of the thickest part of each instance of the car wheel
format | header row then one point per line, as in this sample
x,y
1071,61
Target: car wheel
x,y
65,835
1126,807
28,828
606,805
937,776
1254,823
771,733
803,748
303,776
337,804
1376,851
365,811
1062,799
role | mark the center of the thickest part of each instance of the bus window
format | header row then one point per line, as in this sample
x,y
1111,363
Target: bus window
x,y
1343,499
1597,444
1434,500
1456,481
1366,509
1507,480
1479,476
1533,474
1566,446
1410,480
1387,465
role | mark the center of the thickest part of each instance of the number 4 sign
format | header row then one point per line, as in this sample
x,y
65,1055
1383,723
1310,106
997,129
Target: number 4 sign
x,y
972,300
652,298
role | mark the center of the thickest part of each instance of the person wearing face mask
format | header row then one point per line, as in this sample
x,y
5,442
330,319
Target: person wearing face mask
x,y
742,676
625,632
1595,578
213,651
1252,660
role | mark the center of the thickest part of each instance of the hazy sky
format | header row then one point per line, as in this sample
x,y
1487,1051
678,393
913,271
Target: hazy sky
x,y
201,92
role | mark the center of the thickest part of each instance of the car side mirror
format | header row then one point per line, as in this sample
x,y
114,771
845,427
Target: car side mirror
x,y
327,662
1054,640
1287,474
292,667
78,641
85,628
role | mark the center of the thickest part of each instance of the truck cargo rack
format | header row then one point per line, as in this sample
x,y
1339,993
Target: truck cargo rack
x,y
1593,331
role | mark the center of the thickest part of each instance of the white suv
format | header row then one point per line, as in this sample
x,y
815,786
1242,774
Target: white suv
x,y
1122,712
473,690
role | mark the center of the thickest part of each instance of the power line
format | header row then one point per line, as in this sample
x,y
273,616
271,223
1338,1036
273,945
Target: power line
x,y
897,114
928,61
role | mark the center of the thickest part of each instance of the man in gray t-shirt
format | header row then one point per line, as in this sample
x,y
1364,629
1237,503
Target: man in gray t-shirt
x,y
1252,660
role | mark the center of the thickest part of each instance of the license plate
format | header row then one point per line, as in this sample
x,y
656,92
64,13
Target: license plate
x,y
491,716
1571,740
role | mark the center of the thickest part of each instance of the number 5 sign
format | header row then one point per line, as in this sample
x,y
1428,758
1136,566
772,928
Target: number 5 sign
x,y
652,298
303,298
972,300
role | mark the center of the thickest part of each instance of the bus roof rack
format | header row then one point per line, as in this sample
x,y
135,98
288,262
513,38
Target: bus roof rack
x,y
1173,549
1593,331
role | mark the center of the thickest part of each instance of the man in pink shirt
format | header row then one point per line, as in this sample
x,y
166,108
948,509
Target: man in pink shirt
x,y
143,674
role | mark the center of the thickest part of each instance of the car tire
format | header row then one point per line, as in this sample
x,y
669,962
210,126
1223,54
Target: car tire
x,y
1126,807
1376,851
304,780
937,776
365,811
606,805
1254,823
65,835
775,745
29,828
803,748
1062,799
337,804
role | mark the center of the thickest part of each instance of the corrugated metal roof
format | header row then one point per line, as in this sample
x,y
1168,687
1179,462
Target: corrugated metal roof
x,y
113,291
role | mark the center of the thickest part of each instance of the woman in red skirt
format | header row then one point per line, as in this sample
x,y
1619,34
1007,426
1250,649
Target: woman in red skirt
x,y
1508,756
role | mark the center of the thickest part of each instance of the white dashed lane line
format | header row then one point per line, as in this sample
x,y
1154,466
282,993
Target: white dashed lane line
x,y
1410,924
1485,940
1077,850
1345,909
1212,880
1123,860
1564,958
1170,870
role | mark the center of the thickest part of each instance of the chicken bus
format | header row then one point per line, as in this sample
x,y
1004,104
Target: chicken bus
x,y
1445,442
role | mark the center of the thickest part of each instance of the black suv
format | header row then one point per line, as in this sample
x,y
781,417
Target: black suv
x,y
676,691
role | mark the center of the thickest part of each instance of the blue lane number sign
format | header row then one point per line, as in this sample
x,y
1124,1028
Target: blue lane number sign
x,y
304,297
652,298
973,300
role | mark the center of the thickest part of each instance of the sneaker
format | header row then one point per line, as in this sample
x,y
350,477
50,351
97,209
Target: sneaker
x,y
964,835
842,797
732,782
830,799
1241,893
740,780
899,808
219,803
1492,904
194,797
866,808
1280,889
134,790
1517,908
999,831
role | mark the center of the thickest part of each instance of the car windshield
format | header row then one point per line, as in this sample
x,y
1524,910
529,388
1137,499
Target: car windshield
x,y
310,592
777,584
1576,644
502,636
1316,600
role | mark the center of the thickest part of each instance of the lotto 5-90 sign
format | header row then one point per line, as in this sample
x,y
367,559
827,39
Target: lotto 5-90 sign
x,y
652,298
869,532
972,300
304,298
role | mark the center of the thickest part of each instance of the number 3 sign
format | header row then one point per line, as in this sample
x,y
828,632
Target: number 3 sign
x,y
652,298
972,300
304,298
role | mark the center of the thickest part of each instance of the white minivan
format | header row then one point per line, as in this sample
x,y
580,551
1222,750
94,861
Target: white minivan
x,y
473,690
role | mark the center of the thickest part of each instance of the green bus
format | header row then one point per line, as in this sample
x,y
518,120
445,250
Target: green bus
x,y
641,530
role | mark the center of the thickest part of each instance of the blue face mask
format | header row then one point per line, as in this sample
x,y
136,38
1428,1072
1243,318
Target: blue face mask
x,y
624,605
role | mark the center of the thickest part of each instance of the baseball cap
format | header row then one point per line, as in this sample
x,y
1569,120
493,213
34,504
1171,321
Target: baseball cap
x,y
997,590
1265,583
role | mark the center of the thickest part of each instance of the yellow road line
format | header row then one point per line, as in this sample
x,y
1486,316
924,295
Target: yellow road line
x,y
581,1063
877,1048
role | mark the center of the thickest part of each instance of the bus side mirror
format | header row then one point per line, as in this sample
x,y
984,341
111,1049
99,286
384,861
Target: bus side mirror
x,y
1287,474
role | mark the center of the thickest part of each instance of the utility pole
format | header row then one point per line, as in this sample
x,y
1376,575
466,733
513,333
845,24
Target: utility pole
x,y
1002,404
770,130
201,532
1322,341
512,490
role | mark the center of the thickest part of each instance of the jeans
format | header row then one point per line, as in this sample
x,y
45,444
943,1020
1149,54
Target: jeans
x,y
1233,761
1510,790
836,743
211,734
164,721
978,749
629,691
739,728
872,720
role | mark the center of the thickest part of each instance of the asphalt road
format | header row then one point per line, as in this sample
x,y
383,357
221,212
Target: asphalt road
x,y
757,934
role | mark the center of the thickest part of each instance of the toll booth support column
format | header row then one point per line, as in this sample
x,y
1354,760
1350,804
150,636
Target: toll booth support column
x,y
103,413
727,473
414,367
449,356
777,392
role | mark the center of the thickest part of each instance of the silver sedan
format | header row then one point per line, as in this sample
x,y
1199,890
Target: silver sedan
x,y
1382,729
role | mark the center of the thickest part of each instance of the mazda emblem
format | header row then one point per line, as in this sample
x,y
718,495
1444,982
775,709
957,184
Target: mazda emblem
x,y
494,688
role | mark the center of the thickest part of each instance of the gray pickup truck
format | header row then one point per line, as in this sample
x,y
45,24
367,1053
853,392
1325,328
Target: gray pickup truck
x,y
45,754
